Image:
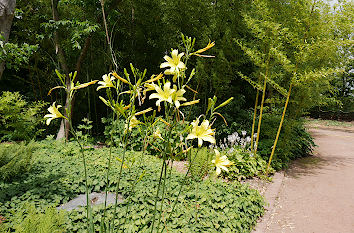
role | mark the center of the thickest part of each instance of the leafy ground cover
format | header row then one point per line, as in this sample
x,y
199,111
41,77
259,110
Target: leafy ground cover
x,y
56,176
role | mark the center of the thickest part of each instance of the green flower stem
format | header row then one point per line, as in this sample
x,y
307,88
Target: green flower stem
x,y
107,179
125,142
88,206
196,202
119,179
163,169
128,201
167,152
179,191
157,196
163,193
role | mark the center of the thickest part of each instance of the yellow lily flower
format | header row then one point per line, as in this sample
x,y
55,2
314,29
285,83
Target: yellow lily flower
x,y
132,124
221,162
84,85
54,113
175,64
190,103
120,78
178,96
107,82
163,95
202,132
143,112
209,46
157,134
154,78
148,87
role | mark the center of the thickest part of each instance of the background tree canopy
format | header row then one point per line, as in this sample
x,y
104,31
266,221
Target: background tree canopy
x,y
70,35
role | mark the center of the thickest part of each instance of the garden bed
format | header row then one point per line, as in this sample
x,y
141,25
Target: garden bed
x,y
56,177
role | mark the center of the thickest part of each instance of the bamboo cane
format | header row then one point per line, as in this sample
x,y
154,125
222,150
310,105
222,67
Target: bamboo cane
x,y
279,129
254,118
260,114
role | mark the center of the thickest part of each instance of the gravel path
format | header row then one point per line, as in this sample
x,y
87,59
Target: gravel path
x,y
317,193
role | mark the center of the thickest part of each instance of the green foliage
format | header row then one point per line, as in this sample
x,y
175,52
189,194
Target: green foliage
x,y
216,206
246,165
78,30
85,128
236,147
57,176
15,160
28,219
116,129
19,120
294,142
200,162
16,56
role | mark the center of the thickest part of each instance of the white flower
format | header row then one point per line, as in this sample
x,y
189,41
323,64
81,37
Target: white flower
x,y
248,139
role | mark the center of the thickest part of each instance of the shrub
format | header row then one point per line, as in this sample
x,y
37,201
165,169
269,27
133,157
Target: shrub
x,y
29,220
294,141
19,120
246,165
15,160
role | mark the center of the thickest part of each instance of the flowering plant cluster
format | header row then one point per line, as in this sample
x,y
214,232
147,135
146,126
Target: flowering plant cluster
x,y
235,140
125,94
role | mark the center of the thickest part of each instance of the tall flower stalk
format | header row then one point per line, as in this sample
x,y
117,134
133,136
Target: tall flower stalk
x,y
54,110
123,93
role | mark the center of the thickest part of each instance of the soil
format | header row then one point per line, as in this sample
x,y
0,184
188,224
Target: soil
x,y
317,192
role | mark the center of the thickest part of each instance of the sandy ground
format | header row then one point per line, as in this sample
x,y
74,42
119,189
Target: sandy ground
x,y
317,193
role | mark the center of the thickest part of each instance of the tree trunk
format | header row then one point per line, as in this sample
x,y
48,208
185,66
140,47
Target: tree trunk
x,y
64,125
7,12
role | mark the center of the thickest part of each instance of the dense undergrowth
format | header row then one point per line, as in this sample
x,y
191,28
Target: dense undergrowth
x,y
55,177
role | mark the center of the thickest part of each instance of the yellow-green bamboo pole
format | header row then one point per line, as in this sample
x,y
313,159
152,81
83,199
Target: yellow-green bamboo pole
x,y
254,118
279,129
260,114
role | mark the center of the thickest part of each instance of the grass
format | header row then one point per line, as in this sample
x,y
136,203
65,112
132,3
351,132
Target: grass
x,y
329,123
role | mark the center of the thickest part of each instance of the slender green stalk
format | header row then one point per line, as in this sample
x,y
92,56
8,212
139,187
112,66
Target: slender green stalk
x,y
136,177
125,142
254,118
179,191
119,179
88,206
163,193
157,196
167,150
107,180
196,202
279,129
260,114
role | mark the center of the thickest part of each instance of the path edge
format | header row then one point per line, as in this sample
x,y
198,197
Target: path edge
x,y
270,196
